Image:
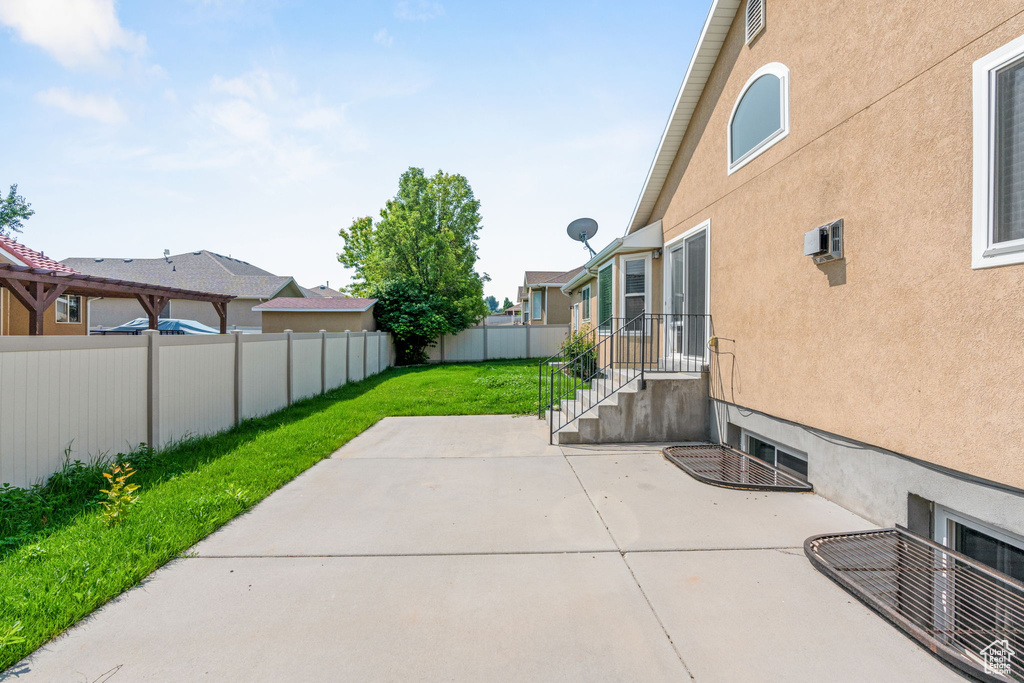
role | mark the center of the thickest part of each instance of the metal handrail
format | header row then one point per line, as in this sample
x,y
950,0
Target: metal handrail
x,y
625,350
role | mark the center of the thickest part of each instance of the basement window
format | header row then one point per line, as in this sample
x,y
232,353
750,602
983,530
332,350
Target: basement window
x,y
775,455
991,547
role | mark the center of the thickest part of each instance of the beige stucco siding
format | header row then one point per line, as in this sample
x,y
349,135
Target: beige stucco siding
x,y
901,345
314,321
14,318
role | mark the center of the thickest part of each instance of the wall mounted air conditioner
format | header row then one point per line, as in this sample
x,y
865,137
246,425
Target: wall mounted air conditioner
x,y
825,243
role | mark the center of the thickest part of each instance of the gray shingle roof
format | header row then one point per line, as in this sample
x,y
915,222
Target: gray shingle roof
x,y
198,270
321,291
547,277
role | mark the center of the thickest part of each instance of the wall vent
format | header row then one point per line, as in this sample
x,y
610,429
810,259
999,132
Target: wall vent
x,y
755,18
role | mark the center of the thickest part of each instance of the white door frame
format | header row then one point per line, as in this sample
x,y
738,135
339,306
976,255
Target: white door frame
x,y
666,259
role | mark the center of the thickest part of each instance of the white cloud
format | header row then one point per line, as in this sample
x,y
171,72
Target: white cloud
x,y
238,118
382,37
254,86
76,33
418,10
104,109
320,118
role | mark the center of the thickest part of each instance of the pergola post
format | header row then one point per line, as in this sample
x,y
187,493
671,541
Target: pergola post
x,y
153,304
36,297
222,311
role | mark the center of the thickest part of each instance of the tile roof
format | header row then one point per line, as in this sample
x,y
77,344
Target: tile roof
x,y
315,304
199,270
31,257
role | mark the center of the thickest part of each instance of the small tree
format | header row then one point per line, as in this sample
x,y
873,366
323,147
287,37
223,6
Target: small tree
x,y
423,249
492,304
507,304
13,210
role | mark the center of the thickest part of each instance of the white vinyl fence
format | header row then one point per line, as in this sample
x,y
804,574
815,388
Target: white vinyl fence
x,y
105,395
487,342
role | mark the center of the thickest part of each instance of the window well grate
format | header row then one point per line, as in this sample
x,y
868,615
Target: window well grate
x,y
722,466
969,615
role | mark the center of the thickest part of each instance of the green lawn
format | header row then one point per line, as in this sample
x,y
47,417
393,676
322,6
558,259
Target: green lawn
x,y
60,560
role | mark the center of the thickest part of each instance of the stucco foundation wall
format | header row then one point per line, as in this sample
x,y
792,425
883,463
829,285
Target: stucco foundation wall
x,y
869,481
901,344
314,321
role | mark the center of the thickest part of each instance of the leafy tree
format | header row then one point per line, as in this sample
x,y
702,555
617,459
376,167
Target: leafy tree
x,y
507,304
13,209
492,304
419,260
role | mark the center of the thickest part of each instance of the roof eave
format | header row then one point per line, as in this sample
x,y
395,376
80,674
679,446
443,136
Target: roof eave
x,y
709,45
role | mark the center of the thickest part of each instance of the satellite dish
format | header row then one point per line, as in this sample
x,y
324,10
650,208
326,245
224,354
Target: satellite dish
x,y
583,230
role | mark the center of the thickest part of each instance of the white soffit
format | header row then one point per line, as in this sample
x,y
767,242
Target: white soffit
x,y
716,27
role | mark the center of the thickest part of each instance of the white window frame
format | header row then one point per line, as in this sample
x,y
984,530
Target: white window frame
x,y
944,516
798,454
646,258
585,297
782,72
67,299
984,252
533,304
666,274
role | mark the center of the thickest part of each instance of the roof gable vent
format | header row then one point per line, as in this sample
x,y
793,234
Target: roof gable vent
x,y
755,19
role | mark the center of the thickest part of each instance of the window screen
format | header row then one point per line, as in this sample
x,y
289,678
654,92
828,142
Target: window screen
x,y
635,288
586,302
758,116
1008,224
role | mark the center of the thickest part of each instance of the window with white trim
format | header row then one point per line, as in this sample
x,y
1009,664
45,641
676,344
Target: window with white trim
x,y
634,290
999,157
69,309
585,303
538,304
775,455
992,547
760,117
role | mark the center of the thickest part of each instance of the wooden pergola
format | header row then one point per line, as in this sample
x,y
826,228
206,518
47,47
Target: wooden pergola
x,y
37,289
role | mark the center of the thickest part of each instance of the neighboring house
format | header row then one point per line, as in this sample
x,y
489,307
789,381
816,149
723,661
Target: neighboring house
x,y
333,314
881,359
321,290
67,316
197,270
40,296
542,299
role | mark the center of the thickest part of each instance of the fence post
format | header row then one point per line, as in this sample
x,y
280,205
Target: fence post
x,y
153,386
348,352
442,348
485,341
382,361
288,362
239,411
527,328
364,353
323,361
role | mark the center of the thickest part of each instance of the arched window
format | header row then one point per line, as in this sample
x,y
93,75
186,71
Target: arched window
x,y
760,117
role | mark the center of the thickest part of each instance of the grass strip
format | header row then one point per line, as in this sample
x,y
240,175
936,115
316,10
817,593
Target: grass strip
x,y
52,577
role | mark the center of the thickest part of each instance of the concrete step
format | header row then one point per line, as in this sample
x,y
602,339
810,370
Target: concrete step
x,y
673,407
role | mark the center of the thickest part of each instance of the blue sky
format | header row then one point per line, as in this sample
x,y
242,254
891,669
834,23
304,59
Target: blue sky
x,y
258,128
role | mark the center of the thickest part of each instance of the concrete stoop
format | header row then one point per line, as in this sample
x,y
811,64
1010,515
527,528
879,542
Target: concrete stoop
x,y
673,407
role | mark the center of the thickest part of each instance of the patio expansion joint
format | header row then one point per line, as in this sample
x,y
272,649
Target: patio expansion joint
x,y
602,551
622,554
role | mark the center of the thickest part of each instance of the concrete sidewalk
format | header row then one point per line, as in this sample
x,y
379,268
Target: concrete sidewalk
x,y
467,548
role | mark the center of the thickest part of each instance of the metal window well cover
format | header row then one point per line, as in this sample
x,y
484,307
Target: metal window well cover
x,y
970,616
720,465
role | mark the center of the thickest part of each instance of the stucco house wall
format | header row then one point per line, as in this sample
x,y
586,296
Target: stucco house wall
x,y
14,318
901,345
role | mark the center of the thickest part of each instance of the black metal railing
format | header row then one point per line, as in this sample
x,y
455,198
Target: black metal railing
x,y
616,353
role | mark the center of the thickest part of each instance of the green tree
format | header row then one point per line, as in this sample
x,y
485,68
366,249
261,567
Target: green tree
x,y
13,210
419,260
492,304
507,304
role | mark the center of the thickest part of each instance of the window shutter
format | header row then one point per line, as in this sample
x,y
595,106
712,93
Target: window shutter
x,y
604,296
755,18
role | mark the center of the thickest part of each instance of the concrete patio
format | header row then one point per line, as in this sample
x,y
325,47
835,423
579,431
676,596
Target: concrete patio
x,y
467,548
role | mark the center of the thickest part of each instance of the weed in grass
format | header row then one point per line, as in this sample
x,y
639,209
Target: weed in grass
x,y
119,495
9,636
